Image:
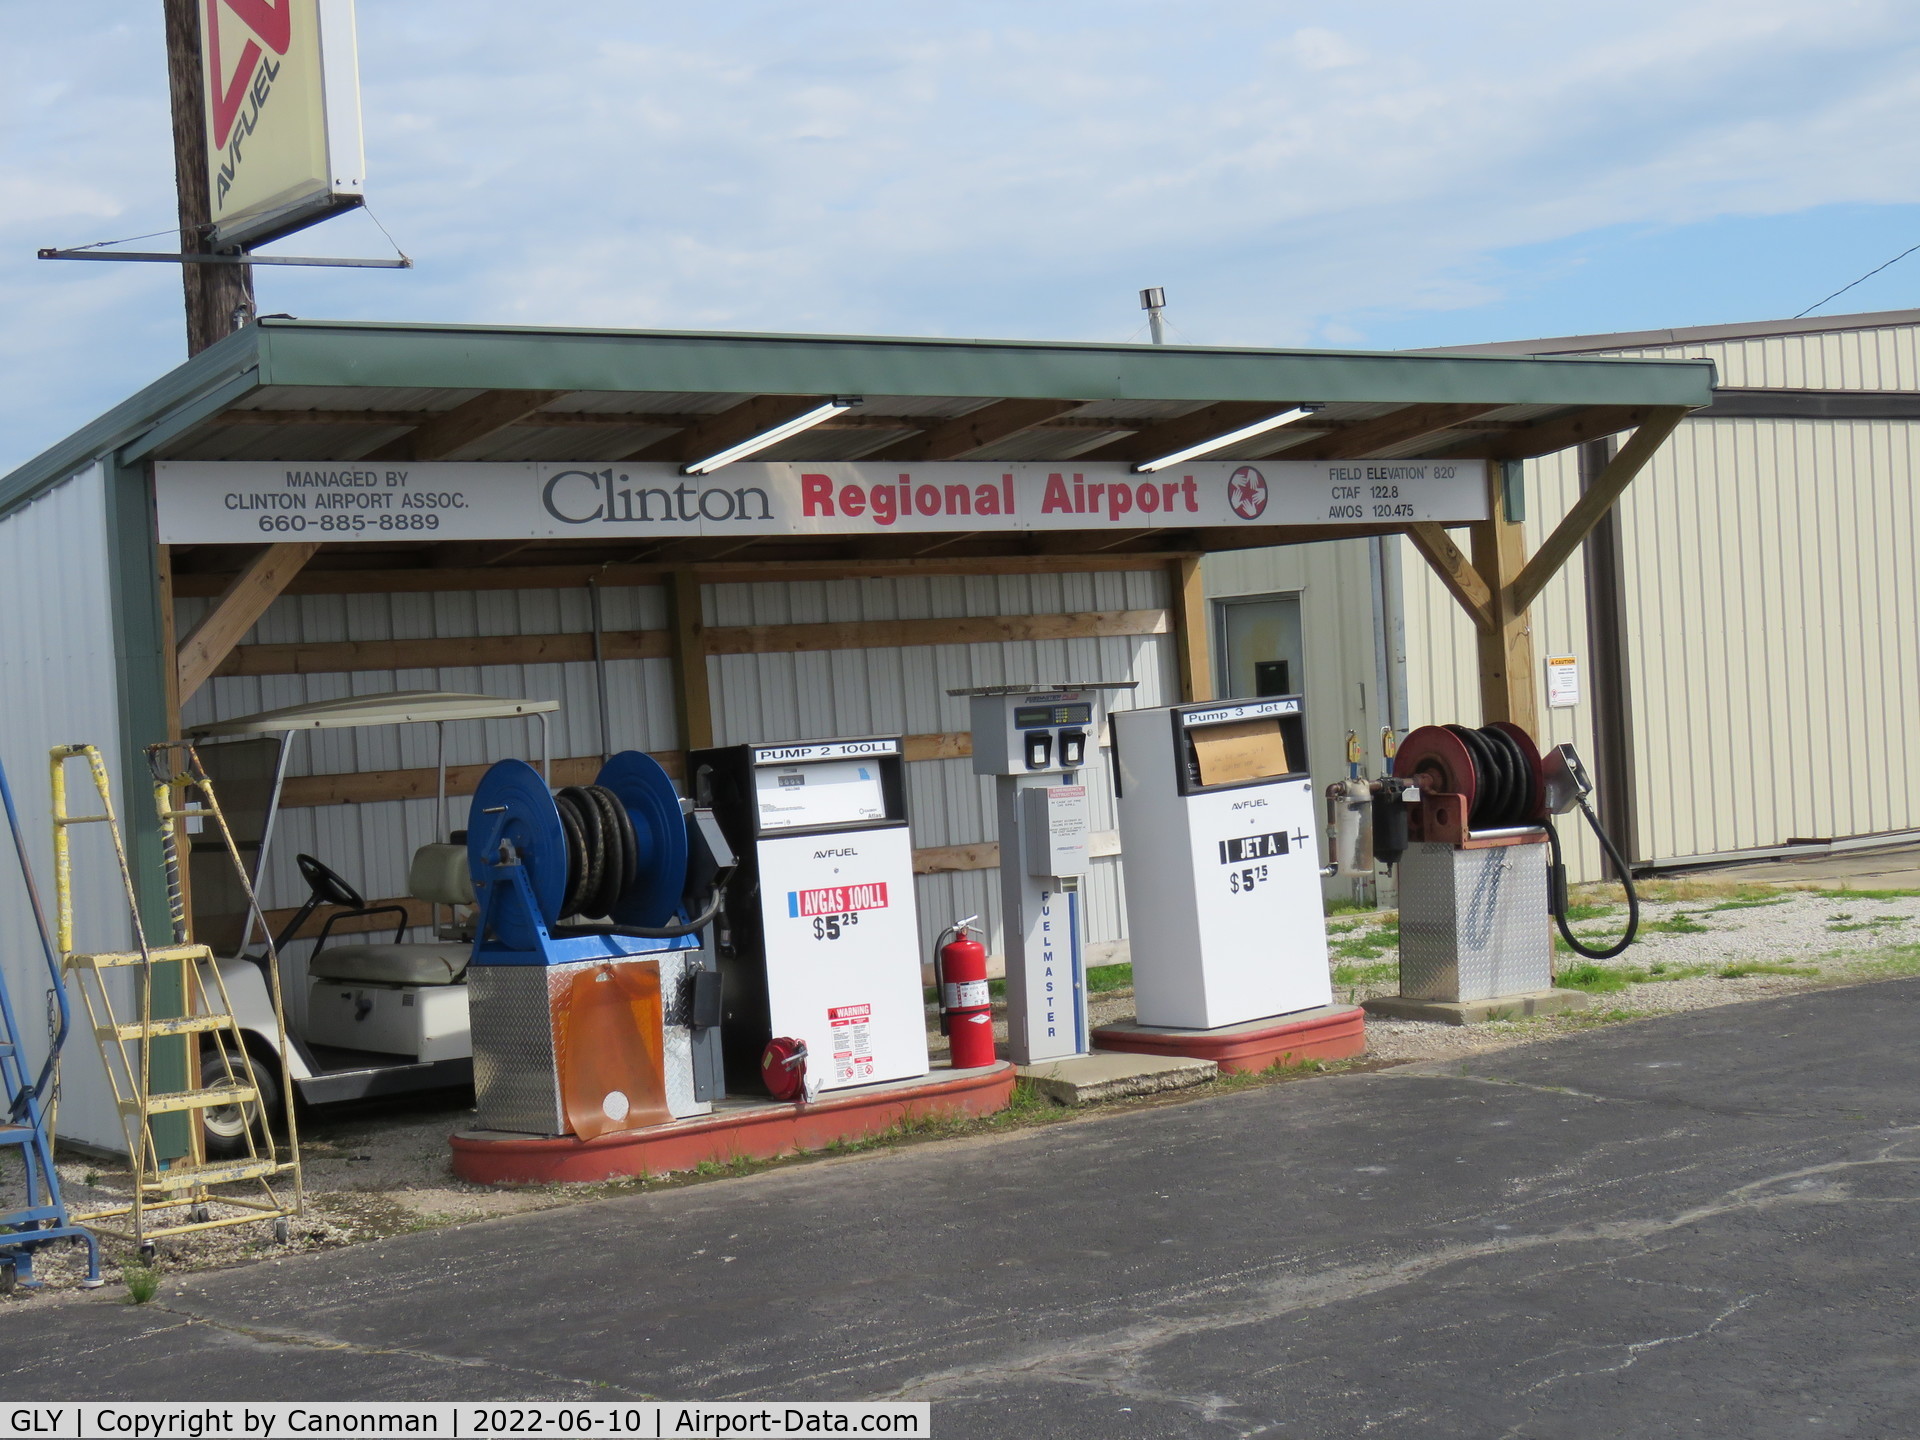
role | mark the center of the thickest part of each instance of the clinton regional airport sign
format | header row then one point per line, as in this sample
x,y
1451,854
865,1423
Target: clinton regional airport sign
x,y
231,502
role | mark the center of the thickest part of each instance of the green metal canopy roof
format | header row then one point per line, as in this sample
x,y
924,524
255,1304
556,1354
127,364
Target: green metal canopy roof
x,y
286,389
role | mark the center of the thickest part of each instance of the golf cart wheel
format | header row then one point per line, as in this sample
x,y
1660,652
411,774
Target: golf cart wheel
x,y
225,1128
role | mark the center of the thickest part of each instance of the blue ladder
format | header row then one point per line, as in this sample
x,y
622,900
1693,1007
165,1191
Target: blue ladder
x,y
23,1127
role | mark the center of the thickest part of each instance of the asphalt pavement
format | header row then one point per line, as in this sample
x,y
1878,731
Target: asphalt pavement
x,y
1699,1226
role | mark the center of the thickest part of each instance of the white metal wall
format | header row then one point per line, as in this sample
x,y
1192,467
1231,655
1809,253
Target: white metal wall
x,y
1773,622
902,690
756,697
1881,359
373,844
59,685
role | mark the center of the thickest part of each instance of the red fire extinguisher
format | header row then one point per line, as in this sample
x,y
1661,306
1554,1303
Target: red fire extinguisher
x,y
966,1011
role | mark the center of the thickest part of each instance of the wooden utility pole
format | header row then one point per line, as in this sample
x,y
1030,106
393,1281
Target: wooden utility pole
x,y
215,294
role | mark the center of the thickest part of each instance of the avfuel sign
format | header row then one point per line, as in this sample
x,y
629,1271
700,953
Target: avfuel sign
x,y
230,502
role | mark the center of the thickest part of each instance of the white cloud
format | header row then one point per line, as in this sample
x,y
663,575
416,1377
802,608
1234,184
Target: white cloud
x,y
992,169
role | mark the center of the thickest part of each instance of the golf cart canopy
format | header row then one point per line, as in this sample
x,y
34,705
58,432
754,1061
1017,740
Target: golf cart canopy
x,y
395,707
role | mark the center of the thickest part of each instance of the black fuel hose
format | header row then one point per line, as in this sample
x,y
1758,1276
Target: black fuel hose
x,y
1557,889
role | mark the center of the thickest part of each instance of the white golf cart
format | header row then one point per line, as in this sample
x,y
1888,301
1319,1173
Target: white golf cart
x,y
380,1019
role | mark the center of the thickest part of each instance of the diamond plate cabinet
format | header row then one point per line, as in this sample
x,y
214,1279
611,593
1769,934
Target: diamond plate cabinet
x,y
1473,922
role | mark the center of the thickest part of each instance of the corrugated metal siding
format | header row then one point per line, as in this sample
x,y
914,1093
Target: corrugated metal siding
x,y
756,697
902,690
59,685
1773,621
1772,615
372,845
1883,359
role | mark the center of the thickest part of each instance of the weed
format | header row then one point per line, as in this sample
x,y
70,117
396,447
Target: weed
x,y
1583,1019
1740,970
143,1283
1876,894
1598,979
1590,912
1660,970
709,1168
92,1177
1677,924
1102,978
1346,907
1369,946
1879,922
1381,973
1750,904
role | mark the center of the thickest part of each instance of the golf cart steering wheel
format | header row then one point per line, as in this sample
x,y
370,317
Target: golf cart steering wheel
x,y
327,885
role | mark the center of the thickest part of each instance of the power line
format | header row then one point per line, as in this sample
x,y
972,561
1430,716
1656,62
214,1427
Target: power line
x,y
1868,276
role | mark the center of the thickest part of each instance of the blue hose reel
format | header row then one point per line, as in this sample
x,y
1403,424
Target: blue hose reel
x,y
611,857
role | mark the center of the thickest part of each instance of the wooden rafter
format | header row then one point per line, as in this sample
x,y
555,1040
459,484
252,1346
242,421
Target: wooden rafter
x,y
1607,487
988,425
1456,572
1190,429
728,427
472,420
1385,432
236,611
1554,434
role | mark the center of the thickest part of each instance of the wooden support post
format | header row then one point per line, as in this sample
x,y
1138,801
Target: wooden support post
x,y
1187,599
1456,572
1506,646
693,695
219,297
234,613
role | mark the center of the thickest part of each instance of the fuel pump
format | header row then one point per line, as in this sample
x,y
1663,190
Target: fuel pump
x,y
819,939
1224,910
1037,741
1467,819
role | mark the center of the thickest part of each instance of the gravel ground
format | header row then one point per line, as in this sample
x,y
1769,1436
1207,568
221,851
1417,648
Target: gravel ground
x,y
377,1170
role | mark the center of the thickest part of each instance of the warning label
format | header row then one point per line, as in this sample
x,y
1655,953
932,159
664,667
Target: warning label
x,y
837,899
852,1041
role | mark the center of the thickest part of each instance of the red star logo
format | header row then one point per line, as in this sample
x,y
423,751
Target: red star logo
x,y
1247,493
269,21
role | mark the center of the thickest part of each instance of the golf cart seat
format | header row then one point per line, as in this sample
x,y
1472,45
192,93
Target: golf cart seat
x,y
439,874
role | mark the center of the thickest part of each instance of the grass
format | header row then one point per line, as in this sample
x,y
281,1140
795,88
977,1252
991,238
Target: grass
x,y
1879,922
1378,973
1677,924
1370,945
1874,894
1591,911
1597,979
142,1281
1754,903
1741,969
1347,907
1104,978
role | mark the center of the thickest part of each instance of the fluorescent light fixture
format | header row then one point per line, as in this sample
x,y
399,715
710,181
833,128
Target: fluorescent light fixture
x,y
1232,437
838,405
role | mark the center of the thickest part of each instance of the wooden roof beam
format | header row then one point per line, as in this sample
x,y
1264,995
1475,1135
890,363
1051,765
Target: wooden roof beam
x,y
714,433
990,424
1169,435
1384,432
230,617
485,414
1607,487
1455,570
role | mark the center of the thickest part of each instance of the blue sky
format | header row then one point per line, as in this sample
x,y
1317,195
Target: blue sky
x,y
1387,175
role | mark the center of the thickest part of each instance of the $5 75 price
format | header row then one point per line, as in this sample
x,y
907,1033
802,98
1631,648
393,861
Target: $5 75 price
x,y
1241,881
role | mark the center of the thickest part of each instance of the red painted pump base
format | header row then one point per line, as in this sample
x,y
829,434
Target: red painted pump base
x,y
1329,1032
757,1129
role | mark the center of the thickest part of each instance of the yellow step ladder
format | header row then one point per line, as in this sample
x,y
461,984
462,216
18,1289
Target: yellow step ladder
x,y
174,1197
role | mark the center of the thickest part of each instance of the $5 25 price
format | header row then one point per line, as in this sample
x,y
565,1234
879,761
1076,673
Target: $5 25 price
x,y
829,927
